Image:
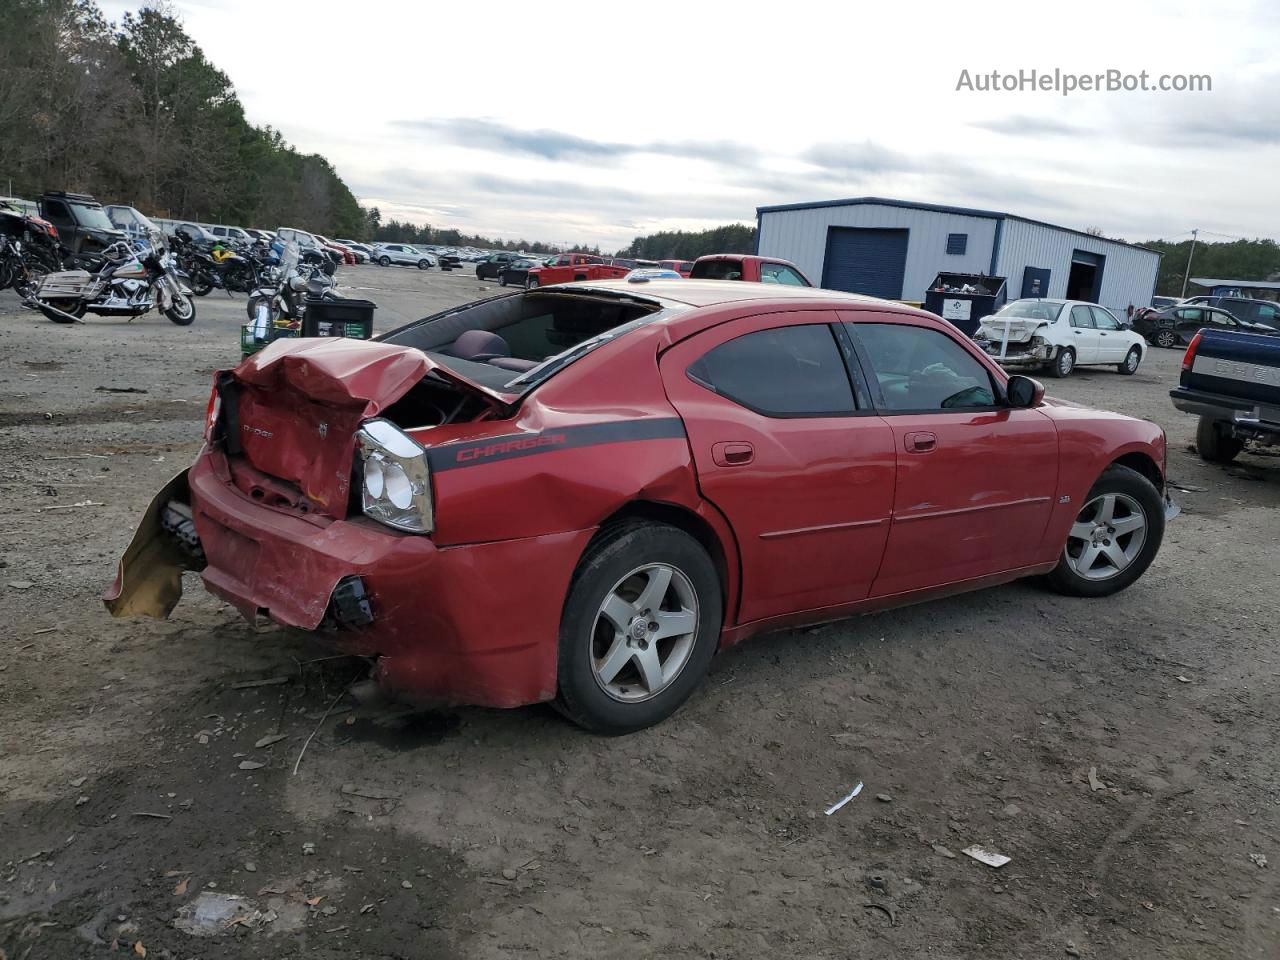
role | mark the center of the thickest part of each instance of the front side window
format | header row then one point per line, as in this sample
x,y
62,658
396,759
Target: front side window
x,y
1103,319
792,371
781,273
919,369
57,212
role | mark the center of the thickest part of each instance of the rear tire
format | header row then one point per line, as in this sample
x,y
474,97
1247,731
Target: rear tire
x,y
1136,510
1063,363
634,666
1214,445
1131,362
1166,338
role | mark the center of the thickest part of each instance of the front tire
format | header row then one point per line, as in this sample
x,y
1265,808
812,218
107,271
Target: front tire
x,y
385,261
1131,361
1114,538
502,279
1214,445
423,264
640,625
182,311
531,283
1063,363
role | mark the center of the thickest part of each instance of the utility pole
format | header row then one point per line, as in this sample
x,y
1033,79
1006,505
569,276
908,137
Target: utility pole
x,y
1190,253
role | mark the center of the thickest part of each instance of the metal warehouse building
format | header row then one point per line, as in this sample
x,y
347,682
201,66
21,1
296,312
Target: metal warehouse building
x,y
894,249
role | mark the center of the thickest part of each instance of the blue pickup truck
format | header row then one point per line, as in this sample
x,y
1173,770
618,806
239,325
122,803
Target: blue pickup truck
x,y
1231,381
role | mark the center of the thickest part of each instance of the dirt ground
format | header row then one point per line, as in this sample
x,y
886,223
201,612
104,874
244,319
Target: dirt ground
x,y
1121,752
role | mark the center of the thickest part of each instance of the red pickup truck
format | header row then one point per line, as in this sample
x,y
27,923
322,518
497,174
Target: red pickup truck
x,y
742,266
569,267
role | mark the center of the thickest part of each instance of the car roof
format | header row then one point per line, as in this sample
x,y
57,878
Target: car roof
x,y
703,293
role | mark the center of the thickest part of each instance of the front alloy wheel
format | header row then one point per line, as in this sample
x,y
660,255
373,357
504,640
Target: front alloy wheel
x,y
644,632
1114,538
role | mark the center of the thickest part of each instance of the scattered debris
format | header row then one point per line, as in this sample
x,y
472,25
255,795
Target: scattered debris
x,y
509,874
81,801
1072,950
1258,859
884,798
989,857
1094,782
1187,487
139,949
251,868
887,908
841,802
251,765
308,849
368,792
152,816
406,884
119,390
367,907
943,851
1181,679
72,506
20,584
268,682
212,914
79,781
269,740
297,763
181,889
878,881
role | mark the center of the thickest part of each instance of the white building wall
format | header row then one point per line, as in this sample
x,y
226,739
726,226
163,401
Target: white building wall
x,y
801,237
1128,276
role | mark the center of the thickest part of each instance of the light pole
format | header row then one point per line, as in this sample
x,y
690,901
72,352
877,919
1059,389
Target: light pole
x,y
1187,276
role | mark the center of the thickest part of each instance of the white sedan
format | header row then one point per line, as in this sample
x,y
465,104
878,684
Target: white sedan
x,y
1058,336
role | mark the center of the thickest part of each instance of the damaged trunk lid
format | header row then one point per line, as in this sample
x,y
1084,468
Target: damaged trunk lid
x,y
291,412
1020,330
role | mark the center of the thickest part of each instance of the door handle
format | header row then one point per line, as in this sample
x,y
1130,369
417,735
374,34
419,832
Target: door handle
x,y
921,442
732,453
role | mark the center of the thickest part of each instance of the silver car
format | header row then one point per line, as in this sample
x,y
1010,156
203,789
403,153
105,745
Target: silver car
x,y
389,253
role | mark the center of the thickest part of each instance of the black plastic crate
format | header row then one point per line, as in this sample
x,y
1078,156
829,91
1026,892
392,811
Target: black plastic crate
x,y
338,318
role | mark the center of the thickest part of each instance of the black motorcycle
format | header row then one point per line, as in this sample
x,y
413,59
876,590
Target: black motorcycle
x,y
126,279
217,267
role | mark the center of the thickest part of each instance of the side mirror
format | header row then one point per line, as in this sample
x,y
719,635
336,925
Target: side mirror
x,y
1024,391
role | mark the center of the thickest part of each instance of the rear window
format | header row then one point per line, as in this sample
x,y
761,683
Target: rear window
x,y
1031,310
716,270
513,343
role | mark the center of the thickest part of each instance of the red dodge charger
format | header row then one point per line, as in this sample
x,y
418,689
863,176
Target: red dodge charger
x,y
581,493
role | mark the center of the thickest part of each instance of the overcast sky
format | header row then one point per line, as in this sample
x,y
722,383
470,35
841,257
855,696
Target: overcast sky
x,y
595,123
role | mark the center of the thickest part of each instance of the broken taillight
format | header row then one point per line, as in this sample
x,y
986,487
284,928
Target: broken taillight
x,y
1189,357
211,412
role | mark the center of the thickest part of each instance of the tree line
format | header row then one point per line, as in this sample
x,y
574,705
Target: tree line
x,y
1227,260
135,113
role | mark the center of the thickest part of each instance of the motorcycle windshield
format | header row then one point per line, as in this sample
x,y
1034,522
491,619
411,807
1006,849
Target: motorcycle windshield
x,y
289,262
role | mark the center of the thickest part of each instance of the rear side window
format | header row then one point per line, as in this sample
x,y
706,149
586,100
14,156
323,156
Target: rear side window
x,y
919,369
784,372
1081,317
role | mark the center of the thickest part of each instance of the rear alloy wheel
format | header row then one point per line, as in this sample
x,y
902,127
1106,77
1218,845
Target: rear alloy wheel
x,y
1063,363
1214,444
1114,538
1167,339
1131,361
640,626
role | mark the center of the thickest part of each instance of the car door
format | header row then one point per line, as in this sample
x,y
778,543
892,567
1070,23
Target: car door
x,y
1187,321
975,478
1084,335
803,472
1112,343
1221,320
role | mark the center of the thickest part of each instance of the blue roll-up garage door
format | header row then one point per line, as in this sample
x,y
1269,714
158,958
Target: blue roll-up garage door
x,y
865,260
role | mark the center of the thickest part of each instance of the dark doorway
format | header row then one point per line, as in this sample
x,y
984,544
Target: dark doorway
x,y
1084,282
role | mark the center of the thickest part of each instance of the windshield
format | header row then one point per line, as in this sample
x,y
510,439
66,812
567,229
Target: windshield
x,y
95,218
289,262
1030,310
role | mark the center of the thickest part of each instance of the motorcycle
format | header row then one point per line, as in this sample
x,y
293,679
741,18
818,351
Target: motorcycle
x,y
127,280
28,249
276,311
20,267
221,267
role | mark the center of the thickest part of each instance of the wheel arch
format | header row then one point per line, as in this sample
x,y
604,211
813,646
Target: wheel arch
x,y
1141,463
723,557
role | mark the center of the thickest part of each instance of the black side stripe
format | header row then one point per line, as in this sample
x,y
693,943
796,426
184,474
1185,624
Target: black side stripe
x,y
451,456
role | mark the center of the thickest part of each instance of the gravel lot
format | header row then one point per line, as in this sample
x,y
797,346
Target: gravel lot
x,y
132,800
